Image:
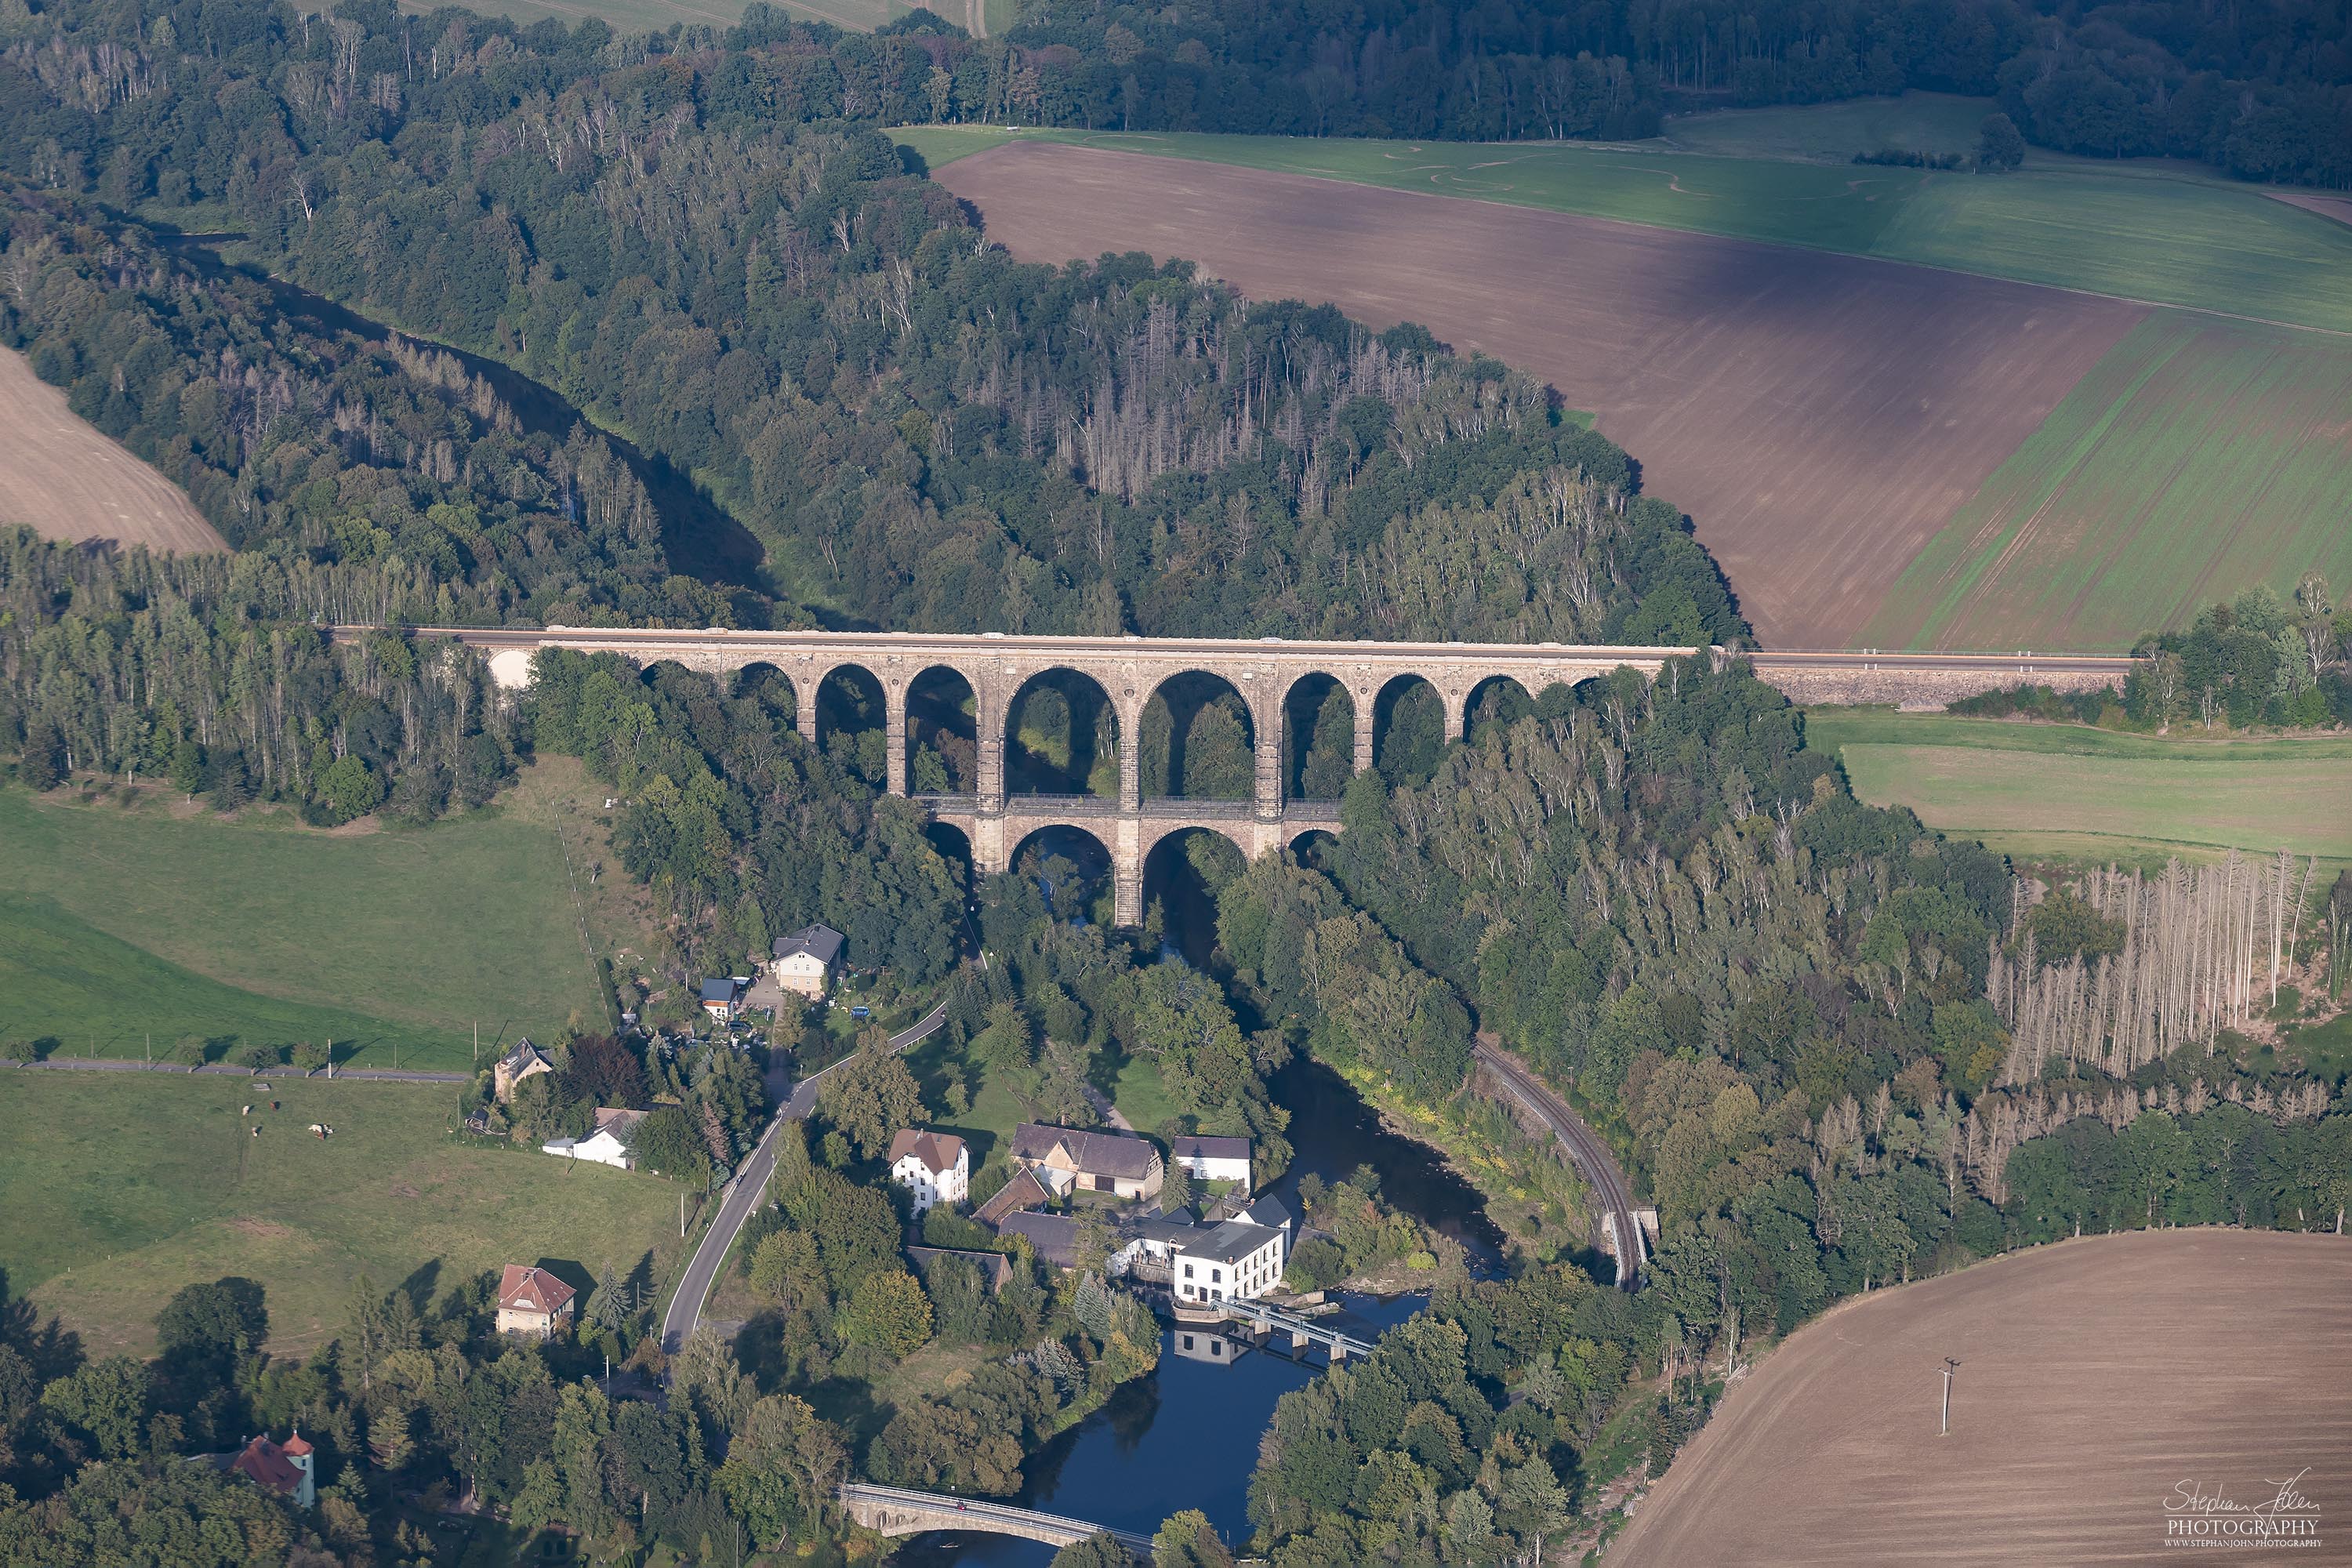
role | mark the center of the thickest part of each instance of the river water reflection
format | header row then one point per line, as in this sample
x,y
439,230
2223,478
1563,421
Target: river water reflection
x,y
1186,1436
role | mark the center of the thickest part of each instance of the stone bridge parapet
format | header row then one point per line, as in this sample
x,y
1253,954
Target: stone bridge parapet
x,y
1261,672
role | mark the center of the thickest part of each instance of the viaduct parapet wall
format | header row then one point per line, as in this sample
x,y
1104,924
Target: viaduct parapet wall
x,y
1261,672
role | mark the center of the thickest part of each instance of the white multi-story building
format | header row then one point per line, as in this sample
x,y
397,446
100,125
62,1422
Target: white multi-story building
x,y
934,1167
1236,1261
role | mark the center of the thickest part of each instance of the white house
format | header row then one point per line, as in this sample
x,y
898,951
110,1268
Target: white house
x,y
804,961
1206,1159
607,1146
934,1167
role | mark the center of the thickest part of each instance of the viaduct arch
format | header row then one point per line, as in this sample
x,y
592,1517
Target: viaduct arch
x,y
1263,672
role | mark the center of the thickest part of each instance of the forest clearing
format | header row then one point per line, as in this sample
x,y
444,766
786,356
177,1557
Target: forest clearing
x,y
2069,791
59,476
2094,1377
117,925
1877,456
126,1186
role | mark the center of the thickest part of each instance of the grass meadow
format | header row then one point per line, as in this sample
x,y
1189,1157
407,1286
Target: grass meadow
x,y
2197,457
123,1188
118,922
2071,792
2161,235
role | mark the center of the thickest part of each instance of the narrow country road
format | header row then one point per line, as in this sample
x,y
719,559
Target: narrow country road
x,y
1584,1147
743,1190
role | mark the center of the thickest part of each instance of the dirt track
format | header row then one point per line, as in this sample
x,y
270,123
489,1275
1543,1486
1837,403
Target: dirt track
x,y
2094,1376
1819,416
67,481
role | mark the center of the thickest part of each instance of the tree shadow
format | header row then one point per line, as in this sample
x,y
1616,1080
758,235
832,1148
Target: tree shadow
x,y
418,1287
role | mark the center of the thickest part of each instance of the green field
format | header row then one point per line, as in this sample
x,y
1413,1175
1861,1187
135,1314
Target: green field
x,y
2154,235
1833,133
2069,791
116,923
2195,457
122,1188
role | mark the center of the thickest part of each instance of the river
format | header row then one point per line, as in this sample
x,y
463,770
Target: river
x,y
1187,1435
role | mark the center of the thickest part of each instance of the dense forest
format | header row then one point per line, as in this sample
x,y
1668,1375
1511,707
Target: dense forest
x,y
2264,91
760,296
1833,1050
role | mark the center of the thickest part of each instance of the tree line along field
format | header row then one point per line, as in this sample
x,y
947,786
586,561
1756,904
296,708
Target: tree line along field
x,y
2196,455
2039,791
124,1187
1876,456
66,480
2165,238
2095,1375
118,923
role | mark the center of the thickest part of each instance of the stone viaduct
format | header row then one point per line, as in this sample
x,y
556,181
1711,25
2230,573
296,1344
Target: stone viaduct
x,y
1261,672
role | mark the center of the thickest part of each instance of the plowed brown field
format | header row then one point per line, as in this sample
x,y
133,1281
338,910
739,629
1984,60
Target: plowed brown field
x,y
2096,1377
61,477
1819,416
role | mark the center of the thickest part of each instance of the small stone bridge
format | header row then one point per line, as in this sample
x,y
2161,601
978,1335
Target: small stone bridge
x,y
892,1510
1129,670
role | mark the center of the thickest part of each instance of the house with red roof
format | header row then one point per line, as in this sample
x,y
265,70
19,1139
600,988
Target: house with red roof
x,y
284,1467
533,1301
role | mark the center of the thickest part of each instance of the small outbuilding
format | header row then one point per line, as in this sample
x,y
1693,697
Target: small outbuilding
x,y
722,997
608,1144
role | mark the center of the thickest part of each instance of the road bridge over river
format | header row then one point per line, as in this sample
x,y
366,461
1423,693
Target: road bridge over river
x,y
894,1510
1262,673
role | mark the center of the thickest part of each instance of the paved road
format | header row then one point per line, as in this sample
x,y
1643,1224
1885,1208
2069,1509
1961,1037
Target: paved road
x,y
1585,1146
743,1190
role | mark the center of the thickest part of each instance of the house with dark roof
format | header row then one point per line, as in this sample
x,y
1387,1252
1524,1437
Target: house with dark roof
x,y
1236,1261
722,997
283,1468
1055,1236
803,959
1067,1159
533,1301
994,1268
934,1166
526,1061
1212,1159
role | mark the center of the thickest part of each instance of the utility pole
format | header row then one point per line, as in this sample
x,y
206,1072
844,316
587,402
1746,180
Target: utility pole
x,y
681,1216
1950,1365
477,1042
